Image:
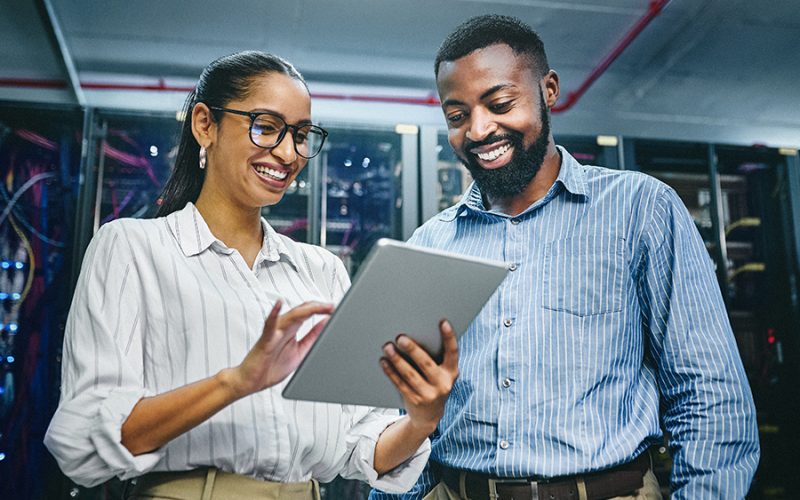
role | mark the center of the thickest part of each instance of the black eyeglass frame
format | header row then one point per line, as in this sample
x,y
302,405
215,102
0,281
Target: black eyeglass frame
x,y
253,115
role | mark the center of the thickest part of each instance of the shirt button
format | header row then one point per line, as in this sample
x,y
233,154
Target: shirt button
x,y
515,221
506,383
508,322
504,444
512,267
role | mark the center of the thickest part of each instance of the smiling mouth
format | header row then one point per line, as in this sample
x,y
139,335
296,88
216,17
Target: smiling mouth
x,y
493,154
271,173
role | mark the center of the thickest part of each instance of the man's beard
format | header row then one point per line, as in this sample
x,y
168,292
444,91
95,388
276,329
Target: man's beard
x,y
515,176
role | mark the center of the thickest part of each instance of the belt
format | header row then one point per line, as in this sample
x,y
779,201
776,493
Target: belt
x,y
212,484
618,481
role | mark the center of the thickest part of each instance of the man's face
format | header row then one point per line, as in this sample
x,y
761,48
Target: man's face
x,y
497,119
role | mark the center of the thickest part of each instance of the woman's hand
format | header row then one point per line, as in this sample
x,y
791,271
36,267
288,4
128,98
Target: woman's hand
x,y
424,392
159,419
277,353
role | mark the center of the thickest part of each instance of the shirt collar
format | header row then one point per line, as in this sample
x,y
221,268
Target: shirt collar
x,y
194,236
571,176
273,247
190,230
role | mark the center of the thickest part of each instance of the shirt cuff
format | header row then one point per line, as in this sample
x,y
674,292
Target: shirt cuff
x,y
106,434
362,439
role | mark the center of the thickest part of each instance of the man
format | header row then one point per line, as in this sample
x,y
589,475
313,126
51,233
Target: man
x,y
609,325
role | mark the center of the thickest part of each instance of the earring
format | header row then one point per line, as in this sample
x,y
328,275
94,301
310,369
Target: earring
x,y
203,157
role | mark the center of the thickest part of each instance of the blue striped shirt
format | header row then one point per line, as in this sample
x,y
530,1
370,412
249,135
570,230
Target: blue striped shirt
x,y
610,324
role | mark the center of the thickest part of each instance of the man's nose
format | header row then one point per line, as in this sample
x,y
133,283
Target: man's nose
x,y
481,126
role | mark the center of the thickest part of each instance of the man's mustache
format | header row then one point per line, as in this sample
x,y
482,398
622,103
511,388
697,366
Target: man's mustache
x,y
514,139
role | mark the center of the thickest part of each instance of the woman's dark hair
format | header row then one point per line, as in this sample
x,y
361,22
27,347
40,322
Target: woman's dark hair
x,y
224,80
482,31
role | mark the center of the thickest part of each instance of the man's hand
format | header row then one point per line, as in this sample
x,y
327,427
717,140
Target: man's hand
x,y
424,392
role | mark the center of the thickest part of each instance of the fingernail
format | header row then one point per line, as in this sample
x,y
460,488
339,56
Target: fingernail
x,y
388,349
403,341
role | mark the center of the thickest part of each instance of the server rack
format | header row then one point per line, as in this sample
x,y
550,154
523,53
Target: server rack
x,y
40,148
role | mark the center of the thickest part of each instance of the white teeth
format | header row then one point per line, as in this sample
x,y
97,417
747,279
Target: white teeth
x,y
277,174
492,155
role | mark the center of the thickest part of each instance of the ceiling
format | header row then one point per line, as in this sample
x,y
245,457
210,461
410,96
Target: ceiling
x,y
706,70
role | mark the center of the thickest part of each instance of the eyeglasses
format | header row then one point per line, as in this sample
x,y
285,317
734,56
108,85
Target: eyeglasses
x,y
267,130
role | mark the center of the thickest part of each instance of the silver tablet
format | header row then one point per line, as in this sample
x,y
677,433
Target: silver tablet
x,y
399,289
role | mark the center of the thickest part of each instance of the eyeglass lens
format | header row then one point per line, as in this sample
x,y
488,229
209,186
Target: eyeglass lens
x,y
268,130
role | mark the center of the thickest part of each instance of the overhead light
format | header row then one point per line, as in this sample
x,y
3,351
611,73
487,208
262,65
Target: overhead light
x,y
607,140
403,128
788,151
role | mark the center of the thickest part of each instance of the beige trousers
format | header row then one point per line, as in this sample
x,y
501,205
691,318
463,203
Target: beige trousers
x,y
649,491
212,484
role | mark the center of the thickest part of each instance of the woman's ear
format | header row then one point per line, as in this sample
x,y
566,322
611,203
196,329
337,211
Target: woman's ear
x,y
204,128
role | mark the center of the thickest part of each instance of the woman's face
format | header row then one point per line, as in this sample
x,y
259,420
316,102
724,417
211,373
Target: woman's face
x,y
242,173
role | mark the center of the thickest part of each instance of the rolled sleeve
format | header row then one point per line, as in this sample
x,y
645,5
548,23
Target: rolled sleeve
x,y
363,437
85,437
102,373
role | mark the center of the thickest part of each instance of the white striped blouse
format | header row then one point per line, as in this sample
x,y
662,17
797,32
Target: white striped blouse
x,y
610,324
161,303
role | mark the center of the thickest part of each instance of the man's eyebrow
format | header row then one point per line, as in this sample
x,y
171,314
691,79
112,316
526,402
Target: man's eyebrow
x,y
497,87
451,102
487,93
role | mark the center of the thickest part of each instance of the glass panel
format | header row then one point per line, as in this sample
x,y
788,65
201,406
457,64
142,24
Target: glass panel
x,y
361,202
586,150
39,162
453,176
362,199
684,167
136,159
135,156
290,215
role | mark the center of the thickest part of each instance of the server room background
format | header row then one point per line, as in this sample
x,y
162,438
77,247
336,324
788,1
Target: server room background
x,y
701,95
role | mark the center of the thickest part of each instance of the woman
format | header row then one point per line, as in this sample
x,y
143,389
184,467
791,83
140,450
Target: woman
x,y
166,307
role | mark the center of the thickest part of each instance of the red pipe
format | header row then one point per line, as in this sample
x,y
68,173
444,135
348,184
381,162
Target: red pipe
x,y
654,10
430,100
33,83
160,87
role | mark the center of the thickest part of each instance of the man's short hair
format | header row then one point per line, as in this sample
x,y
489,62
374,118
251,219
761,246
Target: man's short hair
x,y
482,31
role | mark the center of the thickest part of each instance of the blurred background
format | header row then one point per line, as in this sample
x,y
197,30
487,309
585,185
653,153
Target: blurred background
x,y
702,94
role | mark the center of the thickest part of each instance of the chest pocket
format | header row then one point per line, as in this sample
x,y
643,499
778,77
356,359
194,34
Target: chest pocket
x,y
584,278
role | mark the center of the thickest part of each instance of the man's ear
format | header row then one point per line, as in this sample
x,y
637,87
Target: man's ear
x,y
551,88
204,128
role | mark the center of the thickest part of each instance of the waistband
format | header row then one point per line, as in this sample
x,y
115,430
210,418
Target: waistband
x,y
616,481
213,484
